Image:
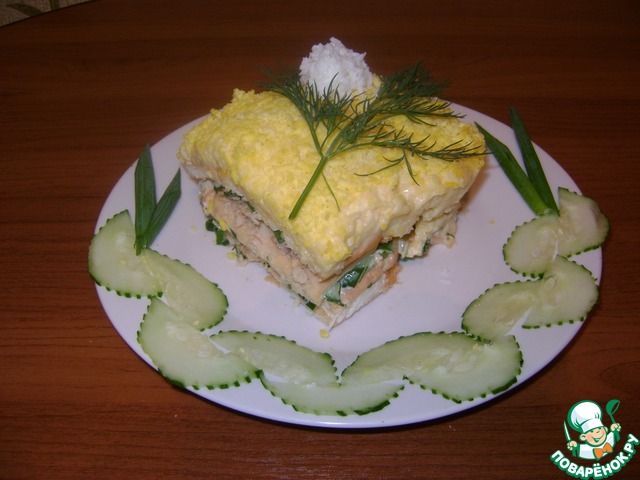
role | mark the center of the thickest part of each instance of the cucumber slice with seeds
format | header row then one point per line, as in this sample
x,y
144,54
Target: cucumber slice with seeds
x,y
201,302
185,356
494,313
454,365
485,370
335,398
583,226
280,357
532,246
566,293
114,265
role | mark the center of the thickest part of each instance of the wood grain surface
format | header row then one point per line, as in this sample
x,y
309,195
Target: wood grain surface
x,y
82,89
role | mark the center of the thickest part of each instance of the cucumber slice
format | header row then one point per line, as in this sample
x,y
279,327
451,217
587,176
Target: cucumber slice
x,y
532,246
454,365
280,357
185,356
114,265
566,293
494,313
200,302
334,398
487,369
583,226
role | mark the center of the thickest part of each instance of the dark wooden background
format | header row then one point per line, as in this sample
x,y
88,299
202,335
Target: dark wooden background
x,y
83,88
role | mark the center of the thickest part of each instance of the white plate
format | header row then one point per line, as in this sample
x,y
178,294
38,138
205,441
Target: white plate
x,y
431,295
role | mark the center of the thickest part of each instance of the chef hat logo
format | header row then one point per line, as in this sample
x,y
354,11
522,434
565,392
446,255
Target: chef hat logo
x,y
585,416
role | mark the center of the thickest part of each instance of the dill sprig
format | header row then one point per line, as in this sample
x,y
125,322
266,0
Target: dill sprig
x,y
340,122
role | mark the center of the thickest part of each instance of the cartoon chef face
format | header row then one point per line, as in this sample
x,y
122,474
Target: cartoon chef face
x,y
595,437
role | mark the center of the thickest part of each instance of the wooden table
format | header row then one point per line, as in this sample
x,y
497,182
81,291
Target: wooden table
x,y
84,88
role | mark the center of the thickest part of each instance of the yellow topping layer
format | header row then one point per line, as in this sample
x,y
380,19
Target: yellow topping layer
x,y
260,147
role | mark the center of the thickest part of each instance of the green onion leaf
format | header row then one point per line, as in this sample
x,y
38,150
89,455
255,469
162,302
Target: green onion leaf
x,y
515,173
163,209
279,236
150,216
532,162
350,279
145,196
212,225
384,249
332,294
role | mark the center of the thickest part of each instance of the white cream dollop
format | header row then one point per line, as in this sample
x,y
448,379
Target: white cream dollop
x,y
333,62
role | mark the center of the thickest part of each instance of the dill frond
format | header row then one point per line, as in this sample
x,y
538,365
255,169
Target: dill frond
x,y
340,122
